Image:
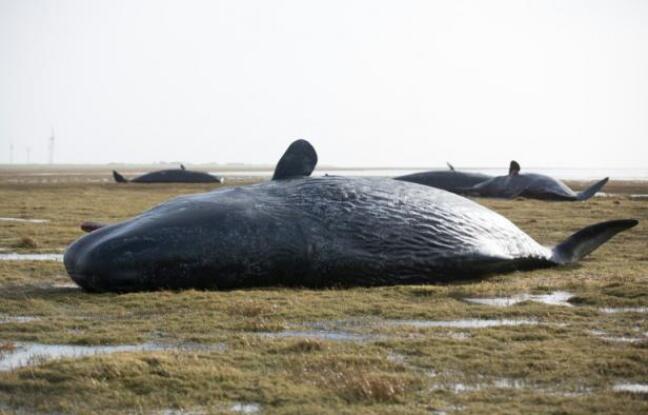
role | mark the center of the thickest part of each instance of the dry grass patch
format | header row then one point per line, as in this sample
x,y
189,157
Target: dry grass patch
x,y
250,308
303,375
306,346
27,242
366,386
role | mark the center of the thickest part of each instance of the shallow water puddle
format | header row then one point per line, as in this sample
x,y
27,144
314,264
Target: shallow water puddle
x,y
237,407
555,298
631,387
466,323
623,339
507,384
17,319
245,408
333,335
13,256
24,220
334,330
181,412
504,383
617,310
618,339
448,410
65,285
28,354
639,196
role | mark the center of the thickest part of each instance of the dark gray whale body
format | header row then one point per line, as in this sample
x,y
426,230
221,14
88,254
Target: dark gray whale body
x,y
530,185
450,180
180,175
313,232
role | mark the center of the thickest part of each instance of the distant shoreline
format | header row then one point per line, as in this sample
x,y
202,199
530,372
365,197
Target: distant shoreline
x,y
250,171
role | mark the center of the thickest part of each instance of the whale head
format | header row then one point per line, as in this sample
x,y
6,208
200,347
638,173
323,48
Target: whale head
x,y
193,240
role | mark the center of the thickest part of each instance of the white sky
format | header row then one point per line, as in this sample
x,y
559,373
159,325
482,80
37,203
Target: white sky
x,y
369,83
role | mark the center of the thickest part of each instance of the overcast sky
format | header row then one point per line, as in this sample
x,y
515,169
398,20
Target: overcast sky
x,y
369,83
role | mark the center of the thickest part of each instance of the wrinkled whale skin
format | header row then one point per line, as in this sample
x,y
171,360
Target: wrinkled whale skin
x,y
312,232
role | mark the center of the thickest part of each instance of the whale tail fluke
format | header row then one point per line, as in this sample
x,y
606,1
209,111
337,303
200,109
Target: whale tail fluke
x,y
119,178
591,191
588,239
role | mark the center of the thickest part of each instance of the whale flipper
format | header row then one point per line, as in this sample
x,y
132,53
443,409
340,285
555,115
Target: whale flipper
x,y
591,191
299,160
119,178
450,166
89,226
588,239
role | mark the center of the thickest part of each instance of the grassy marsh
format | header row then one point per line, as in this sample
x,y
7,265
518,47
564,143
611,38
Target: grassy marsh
x,y
566,363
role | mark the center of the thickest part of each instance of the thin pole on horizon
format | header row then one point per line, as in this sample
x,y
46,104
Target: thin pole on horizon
x,y
51,148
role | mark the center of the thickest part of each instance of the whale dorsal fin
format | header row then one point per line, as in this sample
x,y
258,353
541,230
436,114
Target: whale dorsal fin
x,y
182,167
299,160
450,166
514,168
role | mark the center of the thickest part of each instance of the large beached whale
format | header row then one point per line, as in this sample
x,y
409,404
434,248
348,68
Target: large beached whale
x,y
314,232
451,180
530,185
181,175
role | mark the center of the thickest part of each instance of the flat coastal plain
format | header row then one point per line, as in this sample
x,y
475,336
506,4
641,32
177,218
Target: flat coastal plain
x,y
561,340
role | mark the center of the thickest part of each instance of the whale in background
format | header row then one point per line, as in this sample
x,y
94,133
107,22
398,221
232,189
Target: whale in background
x,y
531,186
451,180
181,175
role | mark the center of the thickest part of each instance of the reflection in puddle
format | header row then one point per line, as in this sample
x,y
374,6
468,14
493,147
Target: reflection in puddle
x,y
245,408
27,354
611,310
466,324
631,387
23,220
12,256
639,196
333,335
555,298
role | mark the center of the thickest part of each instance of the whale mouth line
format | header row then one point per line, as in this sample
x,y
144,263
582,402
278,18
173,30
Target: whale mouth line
x,y
82,281
92,282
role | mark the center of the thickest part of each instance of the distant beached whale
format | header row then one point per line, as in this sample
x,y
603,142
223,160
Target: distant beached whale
x,y
314,232
530,185
181,175
450,180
